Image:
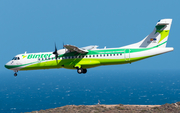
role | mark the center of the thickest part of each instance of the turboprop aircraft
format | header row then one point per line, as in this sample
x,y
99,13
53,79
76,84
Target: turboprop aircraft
x,y
72,57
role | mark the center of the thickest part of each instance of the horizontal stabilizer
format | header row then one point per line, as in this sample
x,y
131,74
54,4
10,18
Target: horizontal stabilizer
x,y
162,23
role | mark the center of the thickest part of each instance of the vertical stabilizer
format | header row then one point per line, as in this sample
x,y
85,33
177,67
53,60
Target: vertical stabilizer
x,y
158,37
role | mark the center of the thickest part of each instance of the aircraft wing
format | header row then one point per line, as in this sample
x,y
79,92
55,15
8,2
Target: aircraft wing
x,y
72,48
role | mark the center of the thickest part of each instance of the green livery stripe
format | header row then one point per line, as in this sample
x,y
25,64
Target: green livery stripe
x,y
86,62
16,66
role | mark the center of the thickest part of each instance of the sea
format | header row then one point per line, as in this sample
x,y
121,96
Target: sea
x,y
45,89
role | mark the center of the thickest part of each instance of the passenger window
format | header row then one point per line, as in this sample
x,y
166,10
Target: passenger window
x,y
107,54
96,55
93,55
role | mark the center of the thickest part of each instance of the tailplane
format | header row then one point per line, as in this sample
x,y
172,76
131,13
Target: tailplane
x,y
158,37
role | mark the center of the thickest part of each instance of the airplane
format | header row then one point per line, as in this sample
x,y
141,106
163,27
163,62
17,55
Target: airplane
x,y
72,57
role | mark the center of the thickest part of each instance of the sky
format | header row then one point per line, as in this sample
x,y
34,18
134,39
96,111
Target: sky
x,y
35,25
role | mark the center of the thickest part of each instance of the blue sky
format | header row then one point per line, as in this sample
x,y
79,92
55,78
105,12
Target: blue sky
x,y
35,25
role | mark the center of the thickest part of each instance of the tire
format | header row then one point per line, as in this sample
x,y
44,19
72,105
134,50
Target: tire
x,y
84,71
15,74
80,70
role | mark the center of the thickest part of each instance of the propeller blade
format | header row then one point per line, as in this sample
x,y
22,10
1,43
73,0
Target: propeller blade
x,y
55,49
55,52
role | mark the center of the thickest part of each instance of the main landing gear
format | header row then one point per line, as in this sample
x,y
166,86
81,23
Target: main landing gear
x,y
81,70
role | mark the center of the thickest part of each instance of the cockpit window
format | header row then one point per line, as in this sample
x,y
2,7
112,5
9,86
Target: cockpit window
x,y
16,58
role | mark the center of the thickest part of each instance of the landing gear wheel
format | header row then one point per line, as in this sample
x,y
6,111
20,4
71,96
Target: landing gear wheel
x,y
80,70
15,74
84,71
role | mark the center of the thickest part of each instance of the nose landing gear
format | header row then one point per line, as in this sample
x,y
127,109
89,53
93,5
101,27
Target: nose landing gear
x,y
15,74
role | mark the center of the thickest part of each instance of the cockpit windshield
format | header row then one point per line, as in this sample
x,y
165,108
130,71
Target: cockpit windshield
x,y
16,58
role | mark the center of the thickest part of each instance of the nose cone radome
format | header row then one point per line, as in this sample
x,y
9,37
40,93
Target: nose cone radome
x,y
8,65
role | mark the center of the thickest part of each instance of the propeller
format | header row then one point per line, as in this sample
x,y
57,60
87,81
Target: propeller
x,y
55,52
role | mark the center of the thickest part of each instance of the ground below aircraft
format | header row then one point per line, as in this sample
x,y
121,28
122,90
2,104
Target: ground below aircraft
x,y
72,57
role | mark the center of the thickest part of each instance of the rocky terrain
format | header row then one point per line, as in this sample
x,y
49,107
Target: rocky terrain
x,y
166,108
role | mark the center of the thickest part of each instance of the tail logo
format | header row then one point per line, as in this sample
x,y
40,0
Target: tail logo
x,y
152,39
24,56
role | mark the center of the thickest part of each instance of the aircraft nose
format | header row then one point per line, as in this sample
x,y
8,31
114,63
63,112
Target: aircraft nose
x,y
8,65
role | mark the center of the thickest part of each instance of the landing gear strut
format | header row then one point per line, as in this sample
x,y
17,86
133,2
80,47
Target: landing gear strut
x,y
81,70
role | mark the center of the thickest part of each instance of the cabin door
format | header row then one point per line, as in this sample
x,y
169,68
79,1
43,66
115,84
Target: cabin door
x,y
127,54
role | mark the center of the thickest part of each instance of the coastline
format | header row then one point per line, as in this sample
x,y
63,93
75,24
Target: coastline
x,y
169,108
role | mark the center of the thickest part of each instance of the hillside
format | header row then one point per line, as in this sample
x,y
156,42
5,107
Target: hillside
x,y
166,108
